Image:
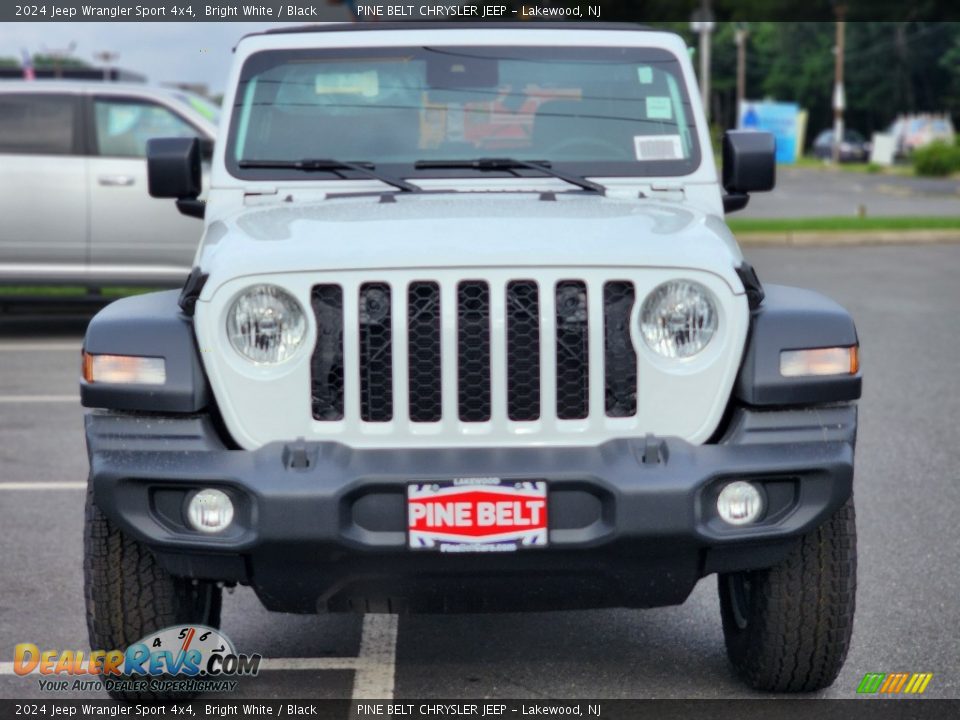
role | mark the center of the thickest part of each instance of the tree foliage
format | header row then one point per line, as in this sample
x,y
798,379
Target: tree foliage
x,y
890,68
41,61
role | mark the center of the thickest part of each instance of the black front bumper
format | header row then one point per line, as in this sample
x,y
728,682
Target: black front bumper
x,y
632,523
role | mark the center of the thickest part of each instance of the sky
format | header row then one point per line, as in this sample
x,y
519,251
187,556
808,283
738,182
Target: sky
x,y
195,52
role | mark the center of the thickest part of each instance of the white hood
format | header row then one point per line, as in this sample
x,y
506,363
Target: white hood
x,y
461,230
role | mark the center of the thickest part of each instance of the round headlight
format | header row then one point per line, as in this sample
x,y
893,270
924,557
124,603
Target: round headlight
x,y
266,324
678,318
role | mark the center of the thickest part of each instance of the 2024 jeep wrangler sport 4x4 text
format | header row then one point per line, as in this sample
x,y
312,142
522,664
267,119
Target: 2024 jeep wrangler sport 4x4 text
x,y
466,332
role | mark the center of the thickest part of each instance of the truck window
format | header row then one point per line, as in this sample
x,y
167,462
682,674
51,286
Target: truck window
x,y
37,124
123,126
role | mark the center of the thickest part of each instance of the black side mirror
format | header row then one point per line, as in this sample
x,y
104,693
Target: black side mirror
x,y
749,165
206,149
174,171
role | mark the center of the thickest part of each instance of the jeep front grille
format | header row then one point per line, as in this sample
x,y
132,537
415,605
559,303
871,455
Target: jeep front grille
x,y
402,332
473,351
523,350
326,367
376,353
423,341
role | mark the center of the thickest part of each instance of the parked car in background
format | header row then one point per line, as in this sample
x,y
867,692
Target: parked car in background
x,y
917,131
854,148
73,183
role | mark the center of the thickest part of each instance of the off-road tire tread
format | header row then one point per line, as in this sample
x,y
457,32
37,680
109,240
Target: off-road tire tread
x,y
801,612
129,595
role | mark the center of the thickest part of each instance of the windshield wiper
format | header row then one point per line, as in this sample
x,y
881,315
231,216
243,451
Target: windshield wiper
x,y
511,164
336,166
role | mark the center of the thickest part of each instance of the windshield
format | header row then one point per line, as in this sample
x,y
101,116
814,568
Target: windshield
x,y
591,111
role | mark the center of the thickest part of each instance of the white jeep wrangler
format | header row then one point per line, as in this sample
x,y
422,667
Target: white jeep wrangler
x,y
467,332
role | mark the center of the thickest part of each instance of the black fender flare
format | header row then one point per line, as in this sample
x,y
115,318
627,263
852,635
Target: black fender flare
x,y
149,325
790,318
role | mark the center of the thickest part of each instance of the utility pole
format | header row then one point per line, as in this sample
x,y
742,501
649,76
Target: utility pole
x,y
839,96
740,37
702,23
107,58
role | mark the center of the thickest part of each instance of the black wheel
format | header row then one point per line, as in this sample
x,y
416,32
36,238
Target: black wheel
x,y
787,628
128,595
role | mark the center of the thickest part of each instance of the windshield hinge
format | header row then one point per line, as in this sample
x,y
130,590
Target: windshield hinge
x,y
261,196
672,192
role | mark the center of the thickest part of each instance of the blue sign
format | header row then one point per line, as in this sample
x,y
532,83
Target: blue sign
x,y
777,118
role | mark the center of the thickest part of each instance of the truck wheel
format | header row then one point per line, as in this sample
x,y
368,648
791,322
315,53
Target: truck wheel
x,y
787,628
128,595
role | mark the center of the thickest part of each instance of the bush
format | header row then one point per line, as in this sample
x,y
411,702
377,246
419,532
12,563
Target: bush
x,y
937,159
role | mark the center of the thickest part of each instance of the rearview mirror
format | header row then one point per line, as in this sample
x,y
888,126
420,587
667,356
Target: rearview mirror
x,y
174,171
749,165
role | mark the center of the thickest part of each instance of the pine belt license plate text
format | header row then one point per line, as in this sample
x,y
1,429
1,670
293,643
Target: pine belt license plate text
x,y
477,515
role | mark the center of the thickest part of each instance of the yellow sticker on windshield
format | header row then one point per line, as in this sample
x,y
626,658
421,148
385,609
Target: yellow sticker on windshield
x,y
365,83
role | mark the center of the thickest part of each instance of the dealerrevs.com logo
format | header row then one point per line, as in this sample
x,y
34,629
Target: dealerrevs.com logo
x,y
187,658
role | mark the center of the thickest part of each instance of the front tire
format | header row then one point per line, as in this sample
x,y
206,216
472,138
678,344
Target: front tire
x,y
788,628
128,595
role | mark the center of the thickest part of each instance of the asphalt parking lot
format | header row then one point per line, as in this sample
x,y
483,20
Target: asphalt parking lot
x,y
809,192
907,489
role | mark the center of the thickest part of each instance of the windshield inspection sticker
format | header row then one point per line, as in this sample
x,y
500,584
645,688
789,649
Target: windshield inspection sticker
x,y
658,147
365,83
645,74
659,108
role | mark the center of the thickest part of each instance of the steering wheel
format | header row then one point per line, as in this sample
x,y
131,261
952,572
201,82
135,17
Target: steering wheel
x,y
608,150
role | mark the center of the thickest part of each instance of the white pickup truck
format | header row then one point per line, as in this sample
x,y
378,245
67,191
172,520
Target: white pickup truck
x,y
467,332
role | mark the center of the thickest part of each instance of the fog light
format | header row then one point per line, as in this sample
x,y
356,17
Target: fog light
x,y
210,511
739,503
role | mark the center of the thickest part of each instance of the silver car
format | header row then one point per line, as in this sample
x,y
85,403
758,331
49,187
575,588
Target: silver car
x,y
73,183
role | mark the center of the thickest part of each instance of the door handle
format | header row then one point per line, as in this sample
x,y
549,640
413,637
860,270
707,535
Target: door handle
x,y
115,180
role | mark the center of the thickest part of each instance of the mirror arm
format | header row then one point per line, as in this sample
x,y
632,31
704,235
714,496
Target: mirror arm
x,y
192,207
735,201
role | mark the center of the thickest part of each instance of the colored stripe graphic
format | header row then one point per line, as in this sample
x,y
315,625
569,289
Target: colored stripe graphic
x,y
870,683
919,683
894,683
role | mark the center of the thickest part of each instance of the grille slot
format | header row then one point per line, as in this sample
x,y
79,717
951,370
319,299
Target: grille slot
x,y
423,329
376,353
326,365
619,356
473,351
523,350
573,351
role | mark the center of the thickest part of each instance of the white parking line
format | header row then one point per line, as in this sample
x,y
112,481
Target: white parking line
x,y
373,667
17,399
53,485
39,347
377,658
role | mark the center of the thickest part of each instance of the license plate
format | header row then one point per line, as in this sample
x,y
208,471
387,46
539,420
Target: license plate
x,y
477,515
